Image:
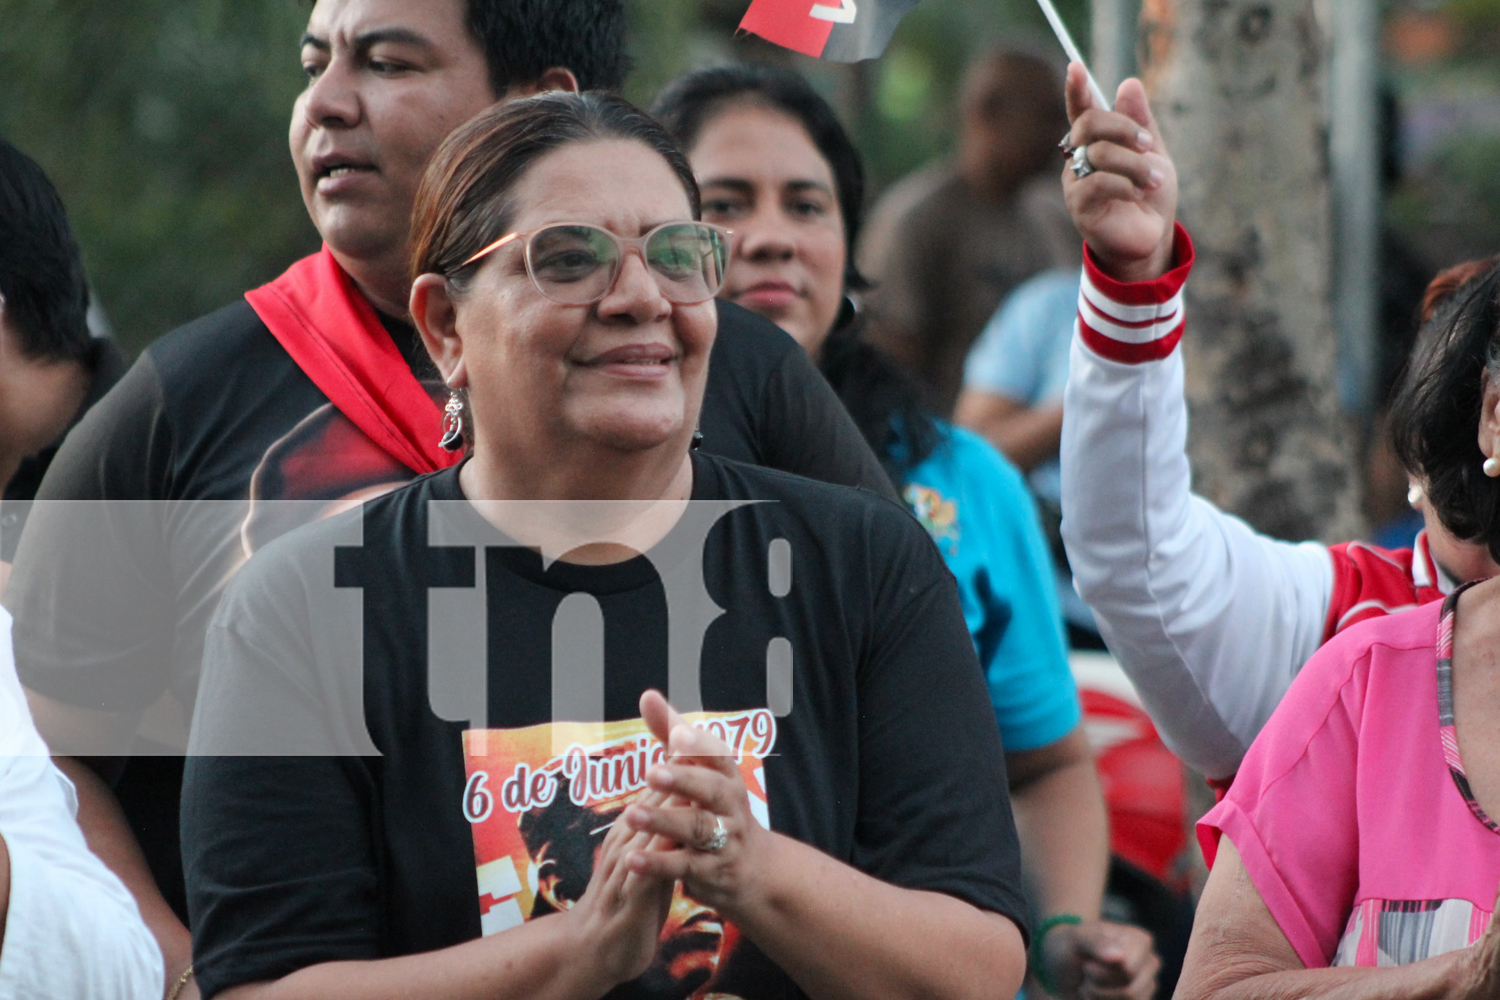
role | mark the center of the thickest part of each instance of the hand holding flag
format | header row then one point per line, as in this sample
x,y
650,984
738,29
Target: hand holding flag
x,y
1126,208
851,30
1074,56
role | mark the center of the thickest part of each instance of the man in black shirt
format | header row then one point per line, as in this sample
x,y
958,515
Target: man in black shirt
x,y
266,401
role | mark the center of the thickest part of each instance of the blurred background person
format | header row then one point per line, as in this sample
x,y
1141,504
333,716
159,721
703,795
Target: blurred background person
x,y
68,928
778,169
946,244
51,368
1012,397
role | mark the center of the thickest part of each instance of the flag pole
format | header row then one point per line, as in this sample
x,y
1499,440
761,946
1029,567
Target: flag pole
x,y
1061,30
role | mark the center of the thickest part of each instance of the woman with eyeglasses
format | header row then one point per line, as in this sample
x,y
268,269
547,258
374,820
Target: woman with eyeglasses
x,y
776,166
497,802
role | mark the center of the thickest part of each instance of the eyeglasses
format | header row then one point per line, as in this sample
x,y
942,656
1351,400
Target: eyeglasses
x,y
577,264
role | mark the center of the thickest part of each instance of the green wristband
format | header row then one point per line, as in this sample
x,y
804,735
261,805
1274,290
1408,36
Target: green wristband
x,y
1038,959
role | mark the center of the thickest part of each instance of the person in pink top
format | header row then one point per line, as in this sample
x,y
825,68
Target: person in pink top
x,y
1355,856
1353,817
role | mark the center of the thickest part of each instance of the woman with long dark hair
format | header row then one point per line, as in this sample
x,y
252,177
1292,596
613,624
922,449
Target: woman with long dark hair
x,y
778,169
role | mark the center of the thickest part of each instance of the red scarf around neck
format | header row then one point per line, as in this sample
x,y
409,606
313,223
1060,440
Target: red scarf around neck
x,y
334,335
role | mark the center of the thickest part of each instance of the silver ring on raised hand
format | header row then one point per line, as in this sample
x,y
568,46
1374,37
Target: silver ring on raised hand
x,y
716,841
1066,147
1082,165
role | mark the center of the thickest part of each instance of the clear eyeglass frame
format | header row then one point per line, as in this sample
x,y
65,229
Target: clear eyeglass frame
x,y
697,280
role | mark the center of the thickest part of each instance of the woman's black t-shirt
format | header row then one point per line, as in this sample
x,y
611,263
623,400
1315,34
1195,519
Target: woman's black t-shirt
x,y
840,671
217,442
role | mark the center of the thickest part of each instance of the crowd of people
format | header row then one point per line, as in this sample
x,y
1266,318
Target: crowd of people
x,y
609,567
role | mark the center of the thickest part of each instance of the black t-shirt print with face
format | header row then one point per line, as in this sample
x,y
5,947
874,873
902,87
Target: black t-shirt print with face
x,y
563,840
887,757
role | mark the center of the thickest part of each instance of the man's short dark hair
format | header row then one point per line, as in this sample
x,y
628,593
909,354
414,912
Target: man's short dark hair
x,y
41,270
522,39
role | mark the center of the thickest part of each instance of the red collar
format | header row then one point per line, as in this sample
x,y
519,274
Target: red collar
x,y
334,335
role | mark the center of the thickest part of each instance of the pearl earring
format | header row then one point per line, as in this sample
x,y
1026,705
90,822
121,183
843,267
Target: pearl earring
x,y
1414,494
1491,467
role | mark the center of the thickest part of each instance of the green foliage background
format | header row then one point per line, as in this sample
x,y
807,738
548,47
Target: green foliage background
x,y
1446,203
163,123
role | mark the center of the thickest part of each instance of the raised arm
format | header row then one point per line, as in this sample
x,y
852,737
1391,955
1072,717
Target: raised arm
x,y
1210,619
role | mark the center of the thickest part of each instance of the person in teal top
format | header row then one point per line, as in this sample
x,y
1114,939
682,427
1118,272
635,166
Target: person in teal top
x,y
976,506
1013,386
777,168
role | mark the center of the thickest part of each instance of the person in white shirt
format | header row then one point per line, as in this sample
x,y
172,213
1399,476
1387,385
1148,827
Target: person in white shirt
x,y
1210,619
68,928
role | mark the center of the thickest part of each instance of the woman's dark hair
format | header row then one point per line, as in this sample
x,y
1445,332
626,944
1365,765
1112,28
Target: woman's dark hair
x,y
693,100
41,269
464,201
886,403
1436,413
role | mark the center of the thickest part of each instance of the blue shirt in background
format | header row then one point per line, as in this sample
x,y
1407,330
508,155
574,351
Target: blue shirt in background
x,y
1023,354
975,505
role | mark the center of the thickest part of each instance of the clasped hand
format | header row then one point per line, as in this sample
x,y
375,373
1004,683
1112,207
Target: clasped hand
x,y
1101,960
658,841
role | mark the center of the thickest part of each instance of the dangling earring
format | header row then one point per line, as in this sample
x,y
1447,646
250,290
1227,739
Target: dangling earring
x,y
697,440
453,424
1491,467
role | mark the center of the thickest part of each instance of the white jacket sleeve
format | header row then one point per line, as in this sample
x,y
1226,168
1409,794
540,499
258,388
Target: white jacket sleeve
x,y
72,930
1210,620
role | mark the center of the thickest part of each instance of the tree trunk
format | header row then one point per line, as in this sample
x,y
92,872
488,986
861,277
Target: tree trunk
x,y
1239,88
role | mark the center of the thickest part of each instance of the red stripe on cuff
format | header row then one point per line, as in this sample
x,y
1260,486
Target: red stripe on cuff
x,y
1133,325
1128,354
1145,293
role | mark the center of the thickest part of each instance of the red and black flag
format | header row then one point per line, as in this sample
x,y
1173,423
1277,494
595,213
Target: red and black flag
x,y
841,30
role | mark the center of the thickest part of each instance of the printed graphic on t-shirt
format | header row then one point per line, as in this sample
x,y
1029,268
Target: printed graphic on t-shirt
x,y
937,513
326,458
540,800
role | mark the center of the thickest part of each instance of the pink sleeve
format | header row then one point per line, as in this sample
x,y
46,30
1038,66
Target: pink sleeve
x,y
1291,811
